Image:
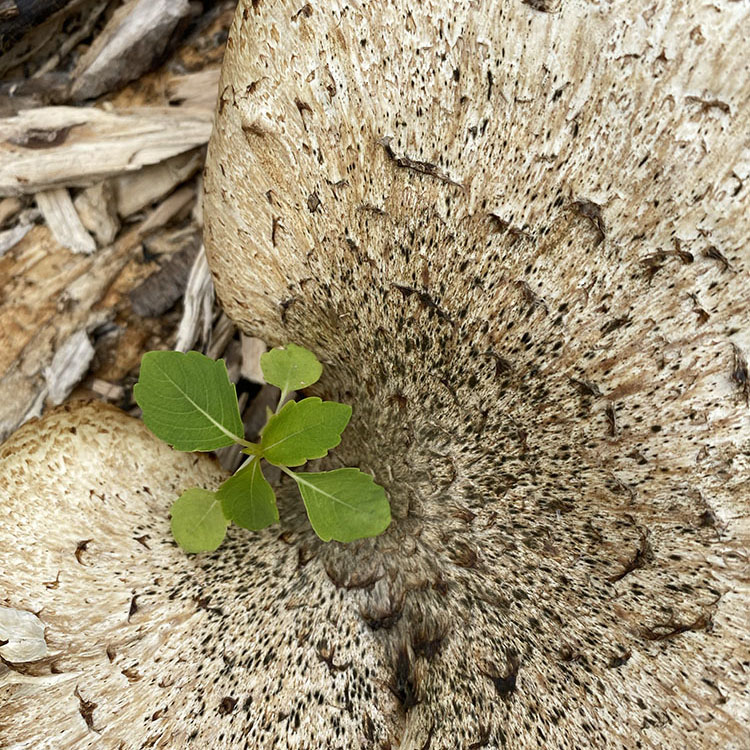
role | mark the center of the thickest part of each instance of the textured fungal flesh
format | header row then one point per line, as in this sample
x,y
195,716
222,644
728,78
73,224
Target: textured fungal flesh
x,y
515,234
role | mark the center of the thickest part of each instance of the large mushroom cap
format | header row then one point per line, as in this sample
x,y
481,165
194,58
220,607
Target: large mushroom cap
x,y
517,240
251,646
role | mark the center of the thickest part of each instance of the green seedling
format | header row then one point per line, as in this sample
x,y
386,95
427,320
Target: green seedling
x,y
189,402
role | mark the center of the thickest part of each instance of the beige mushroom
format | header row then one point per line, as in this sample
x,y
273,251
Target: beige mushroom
x,y
517,240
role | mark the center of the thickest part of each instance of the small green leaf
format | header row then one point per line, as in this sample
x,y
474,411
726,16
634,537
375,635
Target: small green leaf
x,y
303,430
188,401
248,499
290,368
344,504
198,524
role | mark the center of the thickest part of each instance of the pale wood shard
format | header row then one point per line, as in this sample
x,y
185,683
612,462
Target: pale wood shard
x,y
71,41
62,218
9,238
252,349
133,39
178,202
222,333
69,146
97,209
9,207
108,391
8,10
68,366
198,305
135,191
195,89
49,294
170,240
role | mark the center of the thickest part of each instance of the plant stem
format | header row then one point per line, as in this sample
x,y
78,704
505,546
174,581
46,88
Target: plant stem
x,y
282,398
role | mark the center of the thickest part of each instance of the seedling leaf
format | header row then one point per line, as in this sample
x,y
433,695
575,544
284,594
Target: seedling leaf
x,y
248,499
344,504
303,430
188,401
290,368
198,523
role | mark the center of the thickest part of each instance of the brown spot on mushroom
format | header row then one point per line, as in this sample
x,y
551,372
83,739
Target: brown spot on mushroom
x,y
227,706
86,709
504,681
740,373
81,548
313,202
423,167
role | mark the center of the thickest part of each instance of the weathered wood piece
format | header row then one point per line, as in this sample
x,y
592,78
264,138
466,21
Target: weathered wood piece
x,y
252,348
180,201
136,190
195,89
198,306
68,366
50,147
60,214
9,207
97,209
135,37
9,238
50,294
17,16
160,291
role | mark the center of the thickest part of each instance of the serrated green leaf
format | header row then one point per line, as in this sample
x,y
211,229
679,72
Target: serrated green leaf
x,y
303,430
344,504
188,401
248,499
198,524
290,368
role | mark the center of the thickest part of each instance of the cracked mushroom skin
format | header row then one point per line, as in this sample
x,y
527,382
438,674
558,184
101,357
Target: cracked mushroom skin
x,y
517,240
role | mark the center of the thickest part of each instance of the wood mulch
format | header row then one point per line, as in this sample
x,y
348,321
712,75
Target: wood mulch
x,y
106,108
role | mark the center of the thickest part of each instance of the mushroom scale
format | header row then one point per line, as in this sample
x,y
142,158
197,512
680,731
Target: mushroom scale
x,y
517,240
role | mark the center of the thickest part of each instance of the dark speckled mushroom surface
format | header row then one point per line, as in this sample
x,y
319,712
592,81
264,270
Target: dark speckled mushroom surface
x,y
516,235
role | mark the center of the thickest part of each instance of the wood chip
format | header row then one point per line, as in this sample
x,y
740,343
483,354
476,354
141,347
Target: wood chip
x,y
134,38
252,348
136,190
160,291
198,305
199,89
107,390
9,207
221,334
62,218
170,241
11,237
50,147
69,365
97,209
168,209
8,10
